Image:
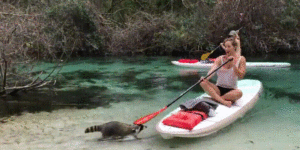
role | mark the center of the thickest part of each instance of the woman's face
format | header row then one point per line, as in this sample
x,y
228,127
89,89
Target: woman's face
x,y
229,48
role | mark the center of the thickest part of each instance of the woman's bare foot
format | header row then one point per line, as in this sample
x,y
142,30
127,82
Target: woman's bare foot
x,y
224,102
227,103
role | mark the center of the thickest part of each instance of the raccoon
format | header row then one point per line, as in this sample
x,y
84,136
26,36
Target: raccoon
x,y
116,130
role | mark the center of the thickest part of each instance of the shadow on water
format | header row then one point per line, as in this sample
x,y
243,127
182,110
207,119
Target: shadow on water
x,y
80,89
155,80
137,61
90,96
82,75
36,101
187,81
280,93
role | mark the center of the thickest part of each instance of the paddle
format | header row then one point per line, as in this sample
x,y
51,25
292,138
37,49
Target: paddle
x,y
151,116
205,56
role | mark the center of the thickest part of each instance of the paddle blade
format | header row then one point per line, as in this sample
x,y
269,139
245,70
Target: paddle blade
x,y
204,56
148,117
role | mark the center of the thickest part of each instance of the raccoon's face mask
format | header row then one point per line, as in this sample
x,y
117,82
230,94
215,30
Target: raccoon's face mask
x,y
139,128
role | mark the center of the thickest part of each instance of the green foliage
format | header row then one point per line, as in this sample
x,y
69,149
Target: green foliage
x,y
72,14
118,27
138,35
290,16
262,22
169,5
289,22
75,29
186,34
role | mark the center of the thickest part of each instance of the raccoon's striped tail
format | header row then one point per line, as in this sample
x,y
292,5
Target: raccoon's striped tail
x,y
93,129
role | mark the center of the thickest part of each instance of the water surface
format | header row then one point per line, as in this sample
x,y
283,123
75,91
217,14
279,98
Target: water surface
x,y
95,91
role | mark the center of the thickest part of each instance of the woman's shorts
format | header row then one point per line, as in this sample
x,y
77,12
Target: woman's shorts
x,y
224,90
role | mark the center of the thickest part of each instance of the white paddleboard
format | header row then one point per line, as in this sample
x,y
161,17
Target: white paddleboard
x,y
204,65
223,115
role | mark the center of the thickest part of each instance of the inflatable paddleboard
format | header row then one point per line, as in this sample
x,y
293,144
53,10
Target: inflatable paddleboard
x,y
223,115
207,65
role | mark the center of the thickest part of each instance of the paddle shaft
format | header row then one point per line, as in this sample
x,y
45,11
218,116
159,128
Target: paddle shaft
x,y
199,81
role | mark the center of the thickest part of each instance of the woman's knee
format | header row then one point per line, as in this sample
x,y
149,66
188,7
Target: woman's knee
x,y
233,95
203,84
239,94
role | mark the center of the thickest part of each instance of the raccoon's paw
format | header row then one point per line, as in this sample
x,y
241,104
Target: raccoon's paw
x,y
135,136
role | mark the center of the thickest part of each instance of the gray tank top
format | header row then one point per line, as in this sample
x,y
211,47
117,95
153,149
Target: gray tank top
x,y
226,77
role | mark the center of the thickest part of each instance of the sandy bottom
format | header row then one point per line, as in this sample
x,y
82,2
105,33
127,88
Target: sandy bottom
x,y
267,126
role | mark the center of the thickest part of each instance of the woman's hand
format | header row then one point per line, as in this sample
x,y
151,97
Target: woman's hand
x,y
237,39
202,79
230,57
230,63
222,45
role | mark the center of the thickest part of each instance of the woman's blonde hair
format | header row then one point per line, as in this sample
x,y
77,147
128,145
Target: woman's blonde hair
x,y
232,40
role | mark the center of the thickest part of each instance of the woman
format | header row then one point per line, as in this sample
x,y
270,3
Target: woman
x,y
225,90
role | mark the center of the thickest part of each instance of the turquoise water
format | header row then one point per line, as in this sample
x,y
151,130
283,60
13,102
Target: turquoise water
x,y
95,91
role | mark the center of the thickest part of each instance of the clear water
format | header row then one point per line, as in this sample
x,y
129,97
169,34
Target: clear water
x,y
95,91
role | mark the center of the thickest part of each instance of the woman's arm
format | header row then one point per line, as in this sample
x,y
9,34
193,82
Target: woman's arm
x,y
238,47
216,64
240,71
